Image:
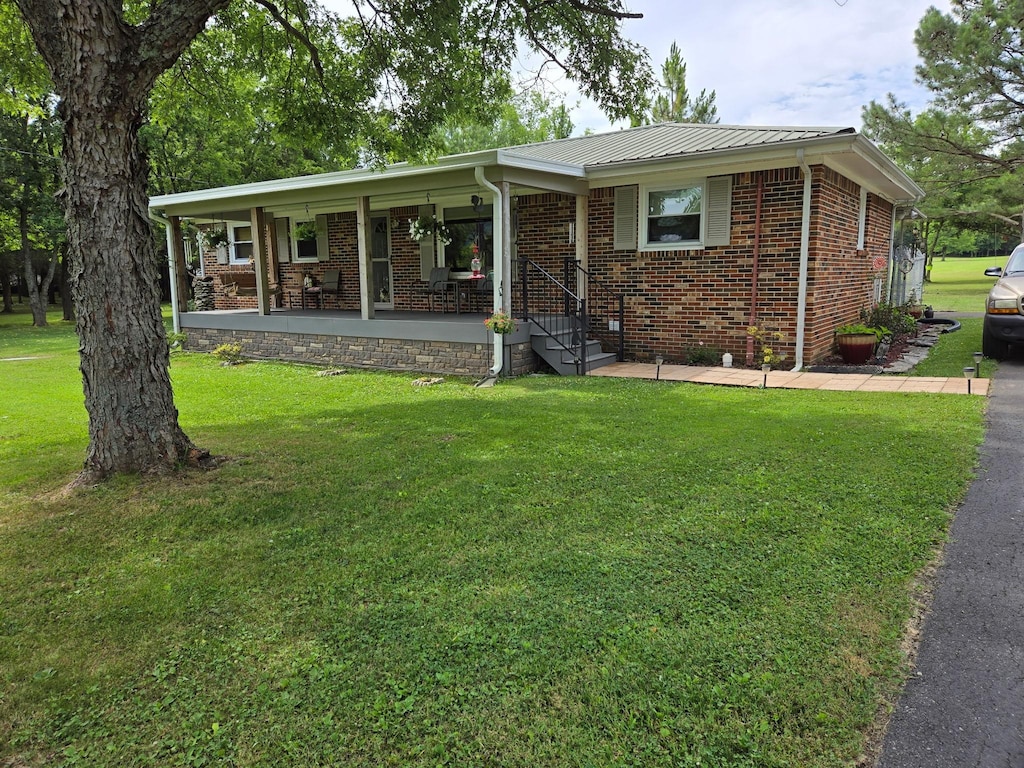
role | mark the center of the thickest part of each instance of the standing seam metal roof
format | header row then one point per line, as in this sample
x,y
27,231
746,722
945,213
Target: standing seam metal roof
x,y
665,140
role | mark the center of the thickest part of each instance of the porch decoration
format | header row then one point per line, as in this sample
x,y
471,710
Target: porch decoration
x,y
216,238
428,226
500,323
856,342
306,230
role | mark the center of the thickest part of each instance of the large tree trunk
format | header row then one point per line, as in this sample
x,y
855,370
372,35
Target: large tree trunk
x,y
114,279
104,69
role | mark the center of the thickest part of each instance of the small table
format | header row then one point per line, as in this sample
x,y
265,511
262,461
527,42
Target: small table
x,y
471,286
316,291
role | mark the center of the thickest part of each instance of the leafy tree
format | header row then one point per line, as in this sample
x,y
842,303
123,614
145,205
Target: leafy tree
x,y
671,101
968,144
386,77
527,118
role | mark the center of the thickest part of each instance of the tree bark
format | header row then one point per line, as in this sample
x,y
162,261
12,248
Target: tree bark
x,y
104,70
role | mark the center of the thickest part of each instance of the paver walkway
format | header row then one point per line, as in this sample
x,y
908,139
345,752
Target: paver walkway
x,y
743,377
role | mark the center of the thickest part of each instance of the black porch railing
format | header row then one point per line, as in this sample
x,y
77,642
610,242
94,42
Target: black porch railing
x,y
571,308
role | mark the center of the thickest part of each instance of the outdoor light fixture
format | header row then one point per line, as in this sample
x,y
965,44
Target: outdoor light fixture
x,y
658,361
969,374
478,203
765,367
977,363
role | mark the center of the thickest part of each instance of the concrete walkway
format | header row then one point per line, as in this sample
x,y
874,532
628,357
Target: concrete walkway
x,y
742,377
964,704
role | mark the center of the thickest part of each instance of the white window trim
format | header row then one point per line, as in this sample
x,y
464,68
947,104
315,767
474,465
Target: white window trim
x,y
642,203
293,224
232,259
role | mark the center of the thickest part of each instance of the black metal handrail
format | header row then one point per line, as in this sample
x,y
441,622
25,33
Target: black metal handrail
x,y
607,310
554,308
570,308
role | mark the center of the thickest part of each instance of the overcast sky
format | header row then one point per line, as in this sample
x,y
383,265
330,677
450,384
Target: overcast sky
x,y
783,62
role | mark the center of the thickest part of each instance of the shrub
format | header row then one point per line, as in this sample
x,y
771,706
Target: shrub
x,y
885,315
703,355
229,354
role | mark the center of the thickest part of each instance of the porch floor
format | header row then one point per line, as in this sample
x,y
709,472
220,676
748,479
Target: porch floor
x,y
741,377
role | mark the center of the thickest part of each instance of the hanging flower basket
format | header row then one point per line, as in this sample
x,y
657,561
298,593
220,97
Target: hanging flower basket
x,y
216,238
426,227
306,231
501,323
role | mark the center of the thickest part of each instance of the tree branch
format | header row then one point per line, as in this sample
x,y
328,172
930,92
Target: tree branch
x,y
298,34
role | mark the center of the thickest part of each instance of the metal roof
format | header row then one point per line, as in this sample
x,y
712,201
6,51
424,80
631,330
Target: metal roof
x,y
666,140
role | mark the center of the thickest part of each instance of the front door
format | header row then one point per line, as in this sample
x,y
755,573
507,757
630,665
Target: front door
x,y
380,253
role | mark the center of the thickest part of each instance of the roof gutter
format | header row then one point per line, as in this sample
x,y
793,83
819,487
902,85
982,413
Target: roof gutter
x,y
499,264
805,250
172,267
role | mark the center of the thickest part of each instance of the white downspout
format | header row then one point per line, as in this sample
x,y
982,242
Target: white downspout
x,y
499,263
173,270
805,250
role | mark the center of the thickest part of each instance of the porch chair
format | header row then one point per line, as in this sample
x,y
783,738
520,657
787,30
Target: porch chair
x,y
437,285
331,285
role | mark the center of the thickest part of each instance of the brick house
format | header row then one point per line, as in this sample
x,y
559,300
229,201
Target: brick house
x,y
662,240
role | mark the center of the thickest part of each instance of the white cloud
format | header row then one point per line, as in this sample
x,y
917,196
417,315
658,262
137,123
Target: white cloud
x,y
784,62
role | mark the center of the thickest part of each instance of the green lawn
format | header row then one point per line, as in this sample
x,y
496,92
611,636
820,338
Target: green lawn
x,y
552,572
959,284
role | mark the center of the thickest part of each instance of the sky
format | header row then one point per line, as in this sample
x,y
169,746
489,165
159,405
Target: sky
x,y
781,62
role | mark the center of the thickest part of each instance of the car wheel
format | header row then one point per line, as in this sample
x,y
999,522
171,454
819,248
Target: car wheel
x,y
994,348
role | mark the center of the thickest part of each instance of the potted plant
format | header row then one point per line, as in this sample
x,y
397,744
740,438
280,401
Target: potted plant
x,y
217,238
856,342
501,323
306,230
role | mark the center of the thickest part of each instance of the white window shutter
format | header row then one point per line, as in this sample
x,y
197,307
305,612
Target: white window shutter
x,y
427,257
322,242
625,219
284,241
718,211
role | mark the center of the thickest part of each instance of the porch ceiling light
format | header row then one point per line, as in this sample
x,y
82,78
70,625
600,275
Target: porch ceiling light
x,y
478,203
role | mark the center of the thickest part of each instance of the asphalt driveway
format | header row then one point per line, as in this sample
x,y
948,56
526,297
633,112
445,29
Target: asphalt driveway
x,y
964,705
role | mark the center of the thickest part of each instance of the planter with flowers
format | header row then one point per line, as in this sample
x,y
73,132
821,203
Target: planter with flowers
x,y
426,227
500,323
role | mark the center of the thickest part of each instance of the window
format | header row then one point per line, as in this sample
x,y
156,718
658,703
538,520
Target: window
x,y
240,237
672,218
470,230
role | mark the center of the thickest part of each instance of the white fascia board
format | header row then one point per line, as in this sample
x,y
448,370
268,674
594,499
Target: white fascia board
x,y
338,191
873,170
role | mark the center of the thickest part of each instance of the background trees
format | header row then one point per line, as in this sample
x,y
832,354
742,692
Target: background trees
x,y
967,148
670,101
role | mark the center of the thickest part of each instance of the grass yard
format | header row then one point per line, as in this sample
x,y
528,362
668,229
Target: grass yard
x,y
552,572
959,284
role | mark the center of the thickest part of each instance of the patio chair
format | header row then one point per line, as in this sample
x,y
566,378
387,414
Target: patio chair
x,y
331,286
437,285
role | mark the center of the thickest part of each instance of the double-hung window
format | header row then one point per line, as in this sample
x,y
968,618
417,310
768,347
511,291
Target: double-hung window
x,y
671,216
240,239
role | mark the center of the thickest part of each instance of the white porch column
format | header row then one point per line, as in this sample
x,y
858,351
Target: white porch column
x,y
258,220
365,257
179,273
582,251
